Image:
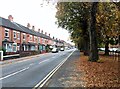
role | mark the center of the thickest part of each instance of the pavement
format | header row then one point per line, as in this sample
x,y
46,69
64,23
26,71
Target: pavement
x,y
21,59
27,72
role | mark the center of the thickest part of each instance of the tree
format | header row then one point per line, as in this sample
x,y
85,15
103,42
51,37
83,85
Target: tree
x,y
74,17
108,18
89,24
92,33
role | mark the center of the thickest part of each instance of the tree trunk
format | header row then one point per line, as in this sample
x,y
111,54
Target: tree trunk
x,y
107,46
86,47
93,56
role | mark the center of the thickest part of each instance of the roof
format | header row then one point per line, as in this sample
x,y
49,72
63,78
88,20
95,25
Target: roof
x,y
8,24
18,27
29,43
55,40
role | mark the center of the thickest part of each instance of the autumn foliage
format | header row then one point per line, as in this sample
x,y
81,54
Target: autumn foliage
x,y
104,73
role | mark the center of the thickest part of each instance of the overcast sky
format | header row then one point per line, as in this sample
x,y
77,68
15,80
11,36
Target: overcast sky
x,y
30,11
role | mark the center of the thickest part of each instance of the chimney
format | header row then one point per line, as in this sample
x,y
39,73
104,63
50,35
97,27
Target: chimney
x,y
33,28
49,35
39,30
45,33
53,37
10,18
28,25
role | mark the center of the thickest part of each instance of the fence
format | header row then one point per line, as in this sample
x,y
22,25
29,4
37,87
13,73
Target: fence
x,y
1,55
7,56
116,55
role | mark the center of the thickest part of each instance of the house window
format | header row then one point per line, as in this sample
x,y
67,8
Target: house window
x,y
14,34
30,37
14,47
18,35
8,47
6,32
18,48
24,36
43,40
38,39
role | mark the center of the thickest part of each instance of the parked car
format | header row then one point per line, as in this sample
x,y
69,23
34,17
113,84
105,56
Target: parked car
x,y
61,49
113,49
118,50
54,50
101,49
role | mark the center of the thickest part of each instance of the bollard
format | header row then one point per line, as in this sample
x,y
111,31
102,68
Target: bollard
x,y
1,55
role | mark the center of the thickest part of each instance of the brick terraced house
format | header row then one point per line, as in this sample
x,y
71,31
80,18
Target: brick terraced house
x,y
15,37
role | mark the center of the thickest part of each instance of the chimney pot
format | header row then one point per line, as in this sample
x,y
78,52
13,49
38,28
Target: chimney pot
x,y
33,28
10,17
28,25
53,37
39,30
45,33
49,35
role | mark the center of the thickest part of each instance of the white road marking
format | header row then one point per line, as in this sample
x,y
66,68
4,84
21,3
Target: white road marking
x,y
14,73
44,61
23,60
50,74
54,57
31,64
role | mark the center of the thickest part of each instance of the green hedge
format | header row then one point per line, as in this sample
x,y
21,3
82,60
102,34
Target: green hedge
x,y
29,53
3,49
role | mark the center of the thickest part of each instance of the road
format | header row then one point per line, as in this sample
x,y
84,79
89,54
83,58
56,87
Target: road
x,y
28,73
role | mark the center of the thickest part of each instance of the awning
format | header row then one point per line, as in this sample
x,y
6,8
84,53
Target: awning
x,y
24,43
30,43
7,41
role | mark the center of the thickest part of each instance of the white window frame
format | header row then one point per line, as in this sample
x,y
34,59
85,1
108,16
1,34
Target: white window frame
x,y
18,35
31,37
6,32
39,39
14,34
34,39
42,40
15,46
24,38
18,48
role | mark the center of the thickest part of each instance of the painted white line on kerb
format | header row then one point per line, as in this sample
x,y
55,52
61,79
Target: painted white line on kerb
x,y
14,73
50,74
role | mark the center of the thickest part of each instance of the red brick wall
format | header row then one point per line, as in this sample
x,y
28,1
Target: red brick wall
x,y
11,38
1,35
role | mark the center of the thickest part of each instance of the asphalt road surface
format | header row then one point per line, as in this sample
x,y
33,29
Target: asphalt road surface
x,y
28,73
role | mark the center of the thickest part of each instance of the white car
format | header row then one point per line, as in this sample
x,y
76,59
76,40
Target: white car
x,y
61,49
54,50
